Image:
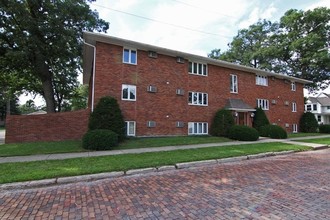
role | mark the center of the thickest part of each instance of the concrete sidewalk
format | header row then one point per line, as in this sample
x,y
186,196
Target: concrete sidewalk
x,y
157,149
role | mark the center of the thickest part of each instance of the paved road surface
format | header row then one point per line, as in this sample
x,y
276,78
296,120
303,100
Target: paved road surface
x,y
295,186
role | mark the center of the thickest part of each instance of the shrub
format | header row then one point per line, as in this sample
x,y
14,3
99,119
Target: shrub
x,y
107,115
273,131
243,133
221,123
324,129
260,119
308,123
100,139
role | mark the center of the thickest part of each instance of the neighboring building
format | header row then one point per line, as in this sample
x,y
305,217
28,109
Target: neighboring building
x,y
165,92
320,107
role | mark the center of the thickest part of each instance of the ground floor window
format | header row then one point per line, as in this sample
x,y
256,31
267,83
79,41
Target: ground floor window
x,y
196,128
130,128
294,128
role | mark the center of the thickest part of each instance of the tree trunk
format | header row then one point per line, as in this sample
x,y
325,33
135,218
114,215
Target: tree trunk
x,y
48,95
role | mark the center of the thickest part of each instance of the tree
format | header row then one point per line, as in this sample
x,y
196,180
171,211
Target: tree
x,y
296,46
28,107
79,99
107,115
42,42
260,119
308,123
222,122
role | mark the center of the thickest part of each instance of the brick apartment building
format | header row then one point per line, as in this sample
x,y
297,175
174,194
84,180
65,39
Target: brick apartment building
x,y
166,92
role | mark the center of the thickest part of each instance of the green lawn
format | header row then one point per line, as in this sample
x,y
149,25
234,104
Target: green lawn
x,y
21,149
293,135
16,172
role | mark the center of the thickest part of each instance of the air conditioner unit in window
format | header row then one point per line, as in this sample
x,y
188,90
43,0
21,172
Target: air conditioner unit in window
x,y
274,102
179,124
180,59
152,89
152,54
286,103
151,124
179,91
287,125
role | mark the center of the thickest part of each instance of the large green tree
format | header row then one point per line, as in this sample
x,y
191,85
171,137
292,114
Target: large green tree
x,y
297,45
42,42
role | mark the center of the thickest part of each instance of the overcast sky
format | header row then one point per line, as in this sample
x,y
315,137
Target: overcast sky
x,y
193,26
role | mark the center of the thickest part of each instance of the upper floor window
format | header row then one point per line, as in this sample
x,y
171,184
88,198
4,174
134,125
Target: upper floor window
x,y
261,80
314,107
293,86
233,84
129,56
198,68
308,107
128,92
263,104
294,107
197,98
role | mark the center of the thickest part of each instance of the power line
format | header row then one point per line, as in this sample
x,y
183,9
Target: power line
x,y
161,22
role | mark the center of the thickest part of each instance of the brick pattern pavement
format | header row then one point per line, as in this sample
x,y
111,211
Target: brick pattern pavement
x,y
295,186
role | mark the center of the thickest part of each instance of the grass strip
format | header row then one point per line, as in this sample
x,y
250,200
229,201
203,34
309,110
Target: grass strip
x,y
25,171
317,141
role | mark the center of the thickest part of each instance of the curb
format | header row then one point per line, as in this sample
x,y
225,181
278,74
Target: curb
x,y
110,175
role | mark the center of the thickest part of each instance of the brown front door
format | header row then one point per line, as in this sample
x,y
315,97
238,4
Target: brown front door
x,y
242,118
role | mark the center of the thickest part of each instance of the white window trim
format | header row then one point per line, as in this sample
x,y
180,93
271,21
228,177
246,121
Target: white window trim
x,y
294,107
198,93
294,128
261,80
127,128
129,89
203,128
130,55
233,83
197,71
293,86
263,103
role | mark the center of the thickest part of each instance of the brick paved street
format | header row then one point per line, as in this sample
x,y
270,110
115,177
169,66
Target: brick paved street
x,y
295,186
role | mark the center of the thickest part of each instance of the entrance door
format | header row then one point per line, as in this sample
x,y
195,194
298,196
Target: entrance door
x,y
242,118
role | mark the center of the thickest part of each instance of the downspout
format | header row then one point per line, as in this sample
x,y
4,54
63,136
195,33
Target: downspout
x,y
93,79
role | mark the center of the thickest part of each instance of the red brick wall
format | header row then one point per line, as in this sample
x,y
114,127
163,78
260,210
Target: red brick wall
x,y
47,127
165,107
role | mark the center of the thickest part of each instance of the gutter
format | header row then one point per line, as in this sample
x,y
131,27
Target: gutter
x,y
93,80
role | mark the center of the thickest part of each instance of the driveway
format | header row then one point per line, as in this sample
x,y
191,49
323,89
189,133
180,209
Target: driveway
x,y
295,186
2,136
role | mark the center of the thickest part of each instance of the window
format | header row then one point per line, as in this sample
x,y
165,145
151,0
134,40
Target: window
x,y
328,107
130,128
294,107
197,68
197,128
129,56
308,107
261,80
294,128
263,103
314,107
233,84
128,92
293,86
319,119
197,98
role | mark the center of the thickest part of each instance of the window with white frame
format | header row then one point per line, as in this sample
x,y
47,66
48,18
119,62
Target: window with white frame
x,y
319,118
293,86
198,98
294,128
314,107
261,80
197,68
263,104
130,128
128,92
308,108
294,107
233,83
197,128
129,56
